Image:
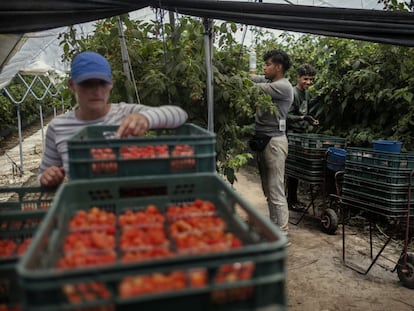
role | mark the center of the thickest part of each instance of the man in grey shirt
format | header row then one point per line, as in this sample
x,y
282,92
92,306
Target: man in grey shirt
x,y
271,160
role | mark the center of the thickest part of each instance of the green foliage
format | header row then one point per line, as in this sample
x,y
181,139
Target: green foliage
x,y
396,5
367,87
168,63
7,114
27,101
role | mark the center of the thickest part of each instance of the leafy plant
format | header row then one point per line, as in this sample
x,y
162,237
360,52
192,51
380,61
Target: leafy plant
x,y
168,61
366,88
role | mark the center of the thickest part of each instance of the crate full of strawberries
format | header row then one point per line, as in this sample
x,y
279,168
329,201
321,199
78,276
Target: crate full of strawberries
x,y
147,243
21,211
96,152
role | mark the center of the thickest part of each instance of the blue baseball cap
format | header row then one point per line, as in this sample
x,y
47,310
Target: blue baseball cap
x,y
90,65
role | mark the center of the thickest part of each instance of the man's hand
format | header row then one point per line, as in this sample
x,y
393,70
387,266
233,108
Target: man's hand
x,y
52,176
311,120
134,124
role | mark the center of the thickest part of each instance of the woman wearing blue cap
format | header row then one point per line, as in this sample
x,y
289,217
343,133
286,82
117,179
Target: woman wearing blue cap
x,y
91,81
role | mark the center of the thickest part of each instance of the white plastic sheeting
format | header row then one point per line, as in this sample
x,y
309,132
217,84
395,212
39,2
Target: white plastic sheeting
x,y
27,52
40,53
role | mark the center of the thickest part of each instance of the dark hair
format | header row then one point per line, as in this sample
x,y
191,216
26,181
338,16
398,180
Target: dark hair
x,y
305,70
278,57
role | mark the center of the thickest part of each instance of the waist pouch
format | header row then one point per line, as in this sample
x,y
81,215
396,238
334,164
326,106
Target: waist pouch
x,y
258,143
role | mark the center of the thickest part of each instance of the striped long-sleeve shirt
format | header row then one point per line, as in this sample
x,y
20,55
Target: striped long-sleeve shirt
x,y
64,126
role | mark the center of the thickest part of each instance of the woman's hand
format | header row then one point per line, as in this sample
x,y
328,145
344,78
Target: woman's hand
x,y
134,124
52,176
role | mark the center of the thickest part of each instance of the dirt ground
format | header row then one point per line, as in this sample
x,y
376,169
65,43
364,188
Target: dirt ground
x,y
316,278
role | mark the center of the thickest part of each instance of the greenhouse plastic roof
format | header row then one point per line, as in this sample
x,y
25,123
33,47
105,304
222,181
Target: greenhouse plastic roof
x,y
31,53
19,17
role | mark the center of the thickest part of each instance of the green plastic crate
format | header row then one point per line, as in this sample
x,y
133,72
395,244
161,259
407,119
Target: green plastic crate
x,y
43,285
379,181
378,174
21,211
382,194
371,157
318,141
373,209
305,168
82,165
306,158
16,229
15,199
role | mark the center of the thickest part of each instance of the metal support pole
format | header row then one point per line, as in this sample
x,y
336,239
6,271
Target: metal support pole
x,y
19,126
125,58
41,122
208,48
18,102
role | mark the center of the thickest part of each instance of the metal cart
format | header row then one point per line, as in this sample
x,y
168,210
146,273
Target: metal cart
x,y
306,162
380,184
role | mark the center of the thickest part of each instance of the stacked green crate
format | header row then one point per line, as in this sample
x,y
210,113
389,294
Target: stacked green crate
x,y
115,178
21,212
379,181
307,155
246,275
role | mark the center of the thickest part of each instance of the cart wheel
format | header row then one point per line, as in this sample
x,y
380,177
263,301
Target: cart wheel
x,y
329,221
406,275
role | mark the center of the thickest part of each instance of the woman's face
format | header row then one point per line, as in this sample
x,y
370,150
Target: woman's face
x,y
93,93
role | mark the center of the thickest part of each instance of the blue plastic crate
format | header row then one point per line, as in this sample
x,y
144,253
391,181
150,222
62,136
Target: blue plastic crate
x,y
335,159
386,145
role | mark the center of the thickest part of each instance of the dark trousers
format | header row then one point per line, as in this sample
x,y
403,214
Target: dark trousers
x,y
292,190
